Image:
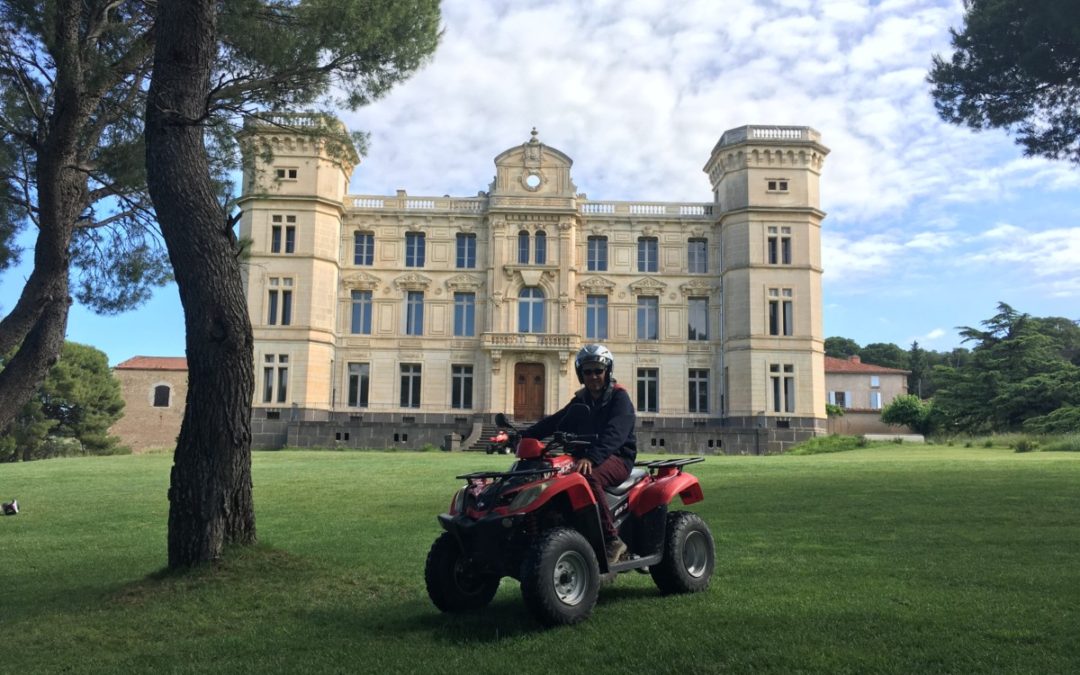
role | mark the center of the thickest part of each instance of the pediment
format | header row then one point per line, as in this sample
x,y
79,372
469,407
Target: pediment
x,y
360,281
412,282
597,285
648,286
698,287
464,283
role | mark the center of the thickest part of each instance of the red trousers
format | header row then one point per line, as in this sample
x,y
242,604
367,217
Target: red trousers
x,y
611,471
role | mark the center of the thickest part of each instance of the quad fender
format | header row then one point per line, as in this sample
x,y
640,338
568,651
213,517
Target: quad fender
x,y
575,488
662,491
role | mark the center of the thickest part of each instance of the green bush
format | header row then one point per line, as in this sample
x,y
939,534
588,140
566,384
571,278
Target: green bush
x,y
1064,420
1025,445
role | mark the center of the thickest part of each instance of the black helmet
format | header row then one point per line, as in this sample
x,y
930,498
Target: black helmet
x,y
594,353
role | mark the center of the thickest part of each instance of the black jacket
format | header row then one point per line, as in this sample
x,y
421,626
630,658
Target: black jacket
x,y
612,420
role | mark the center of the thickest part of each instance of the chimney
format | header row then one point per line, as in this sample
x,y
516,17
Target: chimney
x,y
854,358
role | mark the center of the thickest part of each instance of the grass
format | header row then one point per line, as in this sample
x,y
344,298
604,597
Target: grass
x,y
890,558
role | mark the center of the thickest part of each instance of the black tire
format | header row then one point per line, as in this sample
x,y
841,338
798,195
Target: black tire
x,y
689,555
451,585
560,577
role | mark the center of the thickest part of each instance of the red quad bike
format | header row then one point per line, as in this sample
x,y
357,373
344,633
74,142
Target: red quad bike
x,y
502,443
539,523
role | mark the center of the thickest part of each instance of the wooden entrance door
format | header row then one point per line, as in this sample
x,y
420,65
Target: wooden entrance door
x,y
528,391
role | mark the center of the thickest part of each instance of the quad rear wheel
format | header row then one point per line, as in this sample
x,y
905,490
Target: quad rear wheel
x,y
689,555
453,584
560,577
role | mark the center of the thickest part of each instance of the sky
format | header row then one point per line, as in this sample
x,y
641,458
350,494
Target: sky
x,y
929,225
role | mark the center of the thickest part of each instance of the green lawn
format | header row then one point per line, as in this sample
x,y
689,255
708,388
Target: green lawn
x,y
902,559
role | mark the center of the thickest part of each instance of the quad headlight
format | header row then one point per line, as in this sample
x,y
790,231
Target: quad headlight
x,y
528,496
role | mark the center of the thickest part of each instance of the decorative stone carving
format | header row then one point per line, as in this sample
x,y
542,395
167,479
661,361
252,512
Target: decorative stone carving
x,y
412,282
360,281
648,286
464,283
597,286
698,288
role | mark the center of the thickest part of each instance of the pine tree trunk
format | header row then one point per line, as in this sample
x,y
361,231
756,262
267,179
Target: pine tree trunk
x,y
210,502
38,322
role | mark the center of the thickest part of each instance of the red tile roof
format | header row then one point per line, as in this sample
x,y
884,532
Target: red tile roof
x,y
154,363
854,365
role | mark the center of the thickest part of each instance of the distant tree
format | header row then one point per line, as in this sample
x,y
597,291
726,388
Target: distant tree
x,y
911,411
1064,420
841,347
215,63
1018,370
919,365
884,354
1016,66
79,399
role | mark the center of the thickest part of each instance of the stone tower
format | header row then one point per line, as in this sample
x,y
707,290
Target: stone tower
x,y
296,175
765,183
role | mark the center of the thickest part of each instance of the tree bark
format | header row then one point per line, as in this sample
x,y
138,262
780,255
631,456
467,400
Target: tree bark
x,y
210,501
37,324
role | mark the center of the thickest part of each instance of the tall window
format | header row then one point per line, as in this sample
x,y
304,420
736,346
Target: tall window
x,y
414,249
875,400
414,313
698,325
699,390
523,248
461,383
541,248
466,251
161,396
275,378
410,385
531,310
782,379
596,317
779,245
359,382
697,256
781,312
280,297
648,389
282,228
361,313
648,317
464,314
648,252
597,254
363,248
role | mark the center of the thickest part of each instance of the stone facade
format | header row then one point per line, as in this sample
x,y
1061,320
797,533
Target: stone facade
x,y
385,320
154,390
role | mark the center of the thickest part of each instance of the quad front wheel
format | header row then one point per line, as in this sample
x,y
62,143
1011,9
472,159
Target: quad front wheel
x,y
560,577
689,555
453,584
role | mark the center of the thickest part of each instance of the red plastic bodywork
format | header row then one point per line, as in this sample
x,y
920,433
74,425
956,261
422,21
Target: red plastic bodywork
x,y
663,490
529,448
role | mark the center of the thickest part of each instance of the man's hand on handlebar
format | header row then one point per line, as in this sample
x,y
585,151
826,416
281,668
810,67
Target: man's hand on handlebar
x,y
583,466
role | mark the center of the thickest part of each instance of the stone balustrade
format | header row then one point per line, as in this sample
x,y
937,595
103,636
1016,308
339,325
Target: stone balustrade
x,y
480,204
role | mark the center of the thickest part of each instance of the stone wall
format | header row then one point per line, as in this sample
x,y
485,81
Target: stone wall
x,y
144,426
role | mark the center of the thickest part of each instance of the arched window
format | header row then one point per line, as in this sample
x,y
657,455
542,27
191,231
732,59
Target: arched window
x,y
541,248
161,396
523,248
531,310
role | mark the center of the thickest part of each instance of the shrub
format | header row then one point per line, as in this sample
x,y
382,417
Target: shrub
x,y
1064,420
1067,443
1026,445
988,443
